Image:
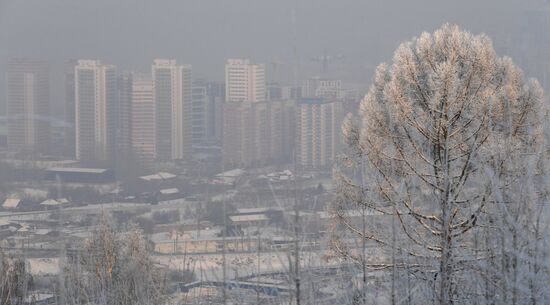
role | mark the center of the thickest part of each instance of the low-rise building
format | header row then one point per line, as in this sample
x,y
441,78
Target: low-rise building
x,y
11,203
80,175
204,241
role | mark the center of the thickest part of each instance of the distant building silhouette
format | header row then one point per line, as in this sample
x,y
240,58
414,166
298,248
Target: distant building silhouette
x,y
257,134
124,114
143,117
70,116
322,87
172,85
281,92
318,123
28,105
244,81
215,92
198,114
95,111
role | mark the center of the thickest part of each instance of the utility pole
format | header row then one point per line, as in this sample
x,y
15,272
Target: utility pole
x,y
296,234
296,210
258,266
224,231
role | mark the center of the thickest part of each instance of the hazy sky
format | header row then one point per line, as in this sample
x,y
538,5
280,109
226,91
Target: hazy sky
x,y
130,33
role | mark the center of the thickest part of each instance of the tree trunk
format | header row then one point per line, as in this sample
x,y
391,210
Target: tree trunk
x,y
445,269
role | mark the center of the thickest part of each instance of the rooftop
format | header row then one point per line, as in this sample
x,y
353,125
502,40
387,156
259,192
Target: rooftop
x,y
350,213
256,210
252,210
11,203
158,176
51,202
232,173
248,218
77,170
169,191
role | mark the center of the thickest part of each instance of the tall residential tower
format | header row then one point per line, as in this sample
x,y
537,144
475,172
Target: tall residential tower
x,y
318,123
28,105
95,111
70,116
143,117
244,82
173,103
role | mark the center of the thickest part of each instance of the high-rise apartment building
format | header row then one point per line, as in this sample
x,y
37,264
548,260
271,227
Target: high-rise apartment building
x,y
198,113
282,118
143,117
257,133
317,132
70,116
244,119
322,87
244,81
208,99
124,114
95,111
28,105
283,92
172,85
215,92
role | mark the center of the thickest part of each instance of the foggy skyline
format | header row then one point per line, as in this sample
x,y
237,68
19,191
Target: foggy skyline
x,y
283,152
130,34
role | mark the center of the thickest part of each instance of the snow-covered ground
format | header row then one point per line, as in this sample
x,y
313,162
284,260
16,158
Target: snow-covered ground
x,y
43,266
209,267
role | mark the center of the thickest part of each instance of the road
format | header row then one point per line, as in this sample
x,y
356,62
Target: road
x,y
104,207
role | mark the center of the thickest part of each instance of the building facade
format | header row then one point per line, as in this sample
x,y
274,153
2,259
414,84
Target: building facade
x,y
173,103
143,117
317,132
70,116
124,115
244,81
257,134
28,105
215,92
95,111
322,87
198,113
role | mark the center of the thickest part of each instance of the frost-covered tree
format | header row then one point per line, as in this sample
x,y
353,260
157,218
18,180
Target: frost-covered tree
x,y
445,135
14,280
518,217
114,268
